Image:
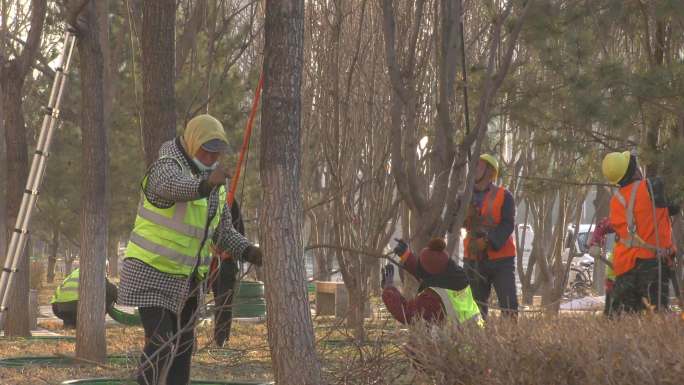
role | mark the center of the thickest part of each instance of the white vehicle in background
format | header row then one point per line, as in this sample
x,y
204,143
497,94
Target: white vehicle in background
x,y
580,242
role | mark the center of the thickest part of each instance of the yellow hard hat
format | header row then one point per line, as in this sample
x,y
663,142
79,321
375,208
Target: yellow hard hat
x,y
615,166
492,162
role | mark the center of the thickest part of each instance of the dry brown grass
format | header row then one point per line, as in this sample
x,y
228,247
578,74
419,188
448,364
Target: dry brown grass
x,y
561,350
246,357
571,349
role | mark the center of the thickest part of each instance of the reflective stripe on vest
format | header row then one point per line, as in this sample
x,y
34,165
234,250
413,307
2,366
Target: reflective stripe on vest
x,y
67,291
175,222
70,287
492,201
169,239
181,258
634,240
458,305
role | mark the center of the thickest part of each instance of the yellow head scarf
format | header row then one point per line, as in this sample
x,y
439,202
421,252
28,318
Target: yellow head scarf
x,y
201,129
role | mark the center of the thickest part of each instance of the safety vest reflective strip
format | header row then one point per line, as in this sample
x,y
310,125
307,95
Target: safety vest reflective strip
x,y
67,291
610,274
459,305
154,232
70,284
174,223
633,240
184,259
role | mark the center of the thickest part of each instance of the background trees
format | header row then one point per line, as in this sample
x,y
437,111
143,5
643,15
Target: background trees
x,y
385,147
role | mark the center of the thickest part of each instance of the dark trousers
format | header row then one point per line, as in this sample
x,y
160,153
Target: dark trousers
x,y
639,286
223,287
499,273
159,355
606,306
66,311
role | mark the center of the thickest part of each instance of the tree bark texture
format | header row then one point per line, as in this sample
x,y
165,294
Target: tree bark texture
x,y
3,188
90,331
290,329
158,75
12,77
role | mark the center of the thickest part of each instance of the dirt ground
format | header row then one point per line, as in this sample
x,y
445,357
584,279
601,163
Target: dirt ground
x,y
245,357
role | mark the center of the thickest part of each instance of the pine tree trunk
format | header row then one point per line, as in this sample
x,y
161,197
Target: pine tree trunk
x,y
290,330
357,305
3,187
90,331
12,76
4,10
17,318
158,74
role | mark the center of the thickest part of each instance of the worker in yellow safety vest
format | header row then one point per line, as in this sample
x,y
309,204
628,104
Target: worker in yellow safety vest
x,y
182,217
65,300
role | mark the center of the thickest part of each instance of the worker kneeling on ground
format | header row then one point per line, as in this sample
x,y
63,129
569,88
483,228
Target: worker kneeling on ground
x,y
65,300
443,294
644,251
489,246
181,217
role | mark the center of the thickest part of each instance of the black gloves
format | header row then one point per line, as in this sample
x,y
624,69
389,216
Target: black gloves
x,y
253,255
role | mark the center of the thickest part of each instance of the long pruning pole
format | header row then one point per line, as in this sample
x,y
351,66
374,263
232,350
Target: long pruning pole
x,y
230,198
245,142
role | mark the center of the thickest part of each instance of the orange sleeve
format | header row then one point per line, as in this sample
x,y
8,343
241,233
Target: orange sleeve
x,y
618,220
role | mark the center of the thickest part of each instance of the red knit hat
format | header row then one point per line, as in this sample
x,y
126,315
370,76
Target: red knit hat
x,y
433,258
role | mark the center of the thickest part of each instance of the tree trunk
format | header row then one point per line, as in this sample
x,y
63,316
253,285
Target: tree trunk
x,y
4,10
17,319
158,74
602,208
90,333
290,330
52,256
357,305
321,271
3,188
12,76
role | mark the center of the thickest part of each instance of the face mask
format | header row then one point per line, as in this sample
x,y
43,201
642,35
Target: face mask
x,y
202,167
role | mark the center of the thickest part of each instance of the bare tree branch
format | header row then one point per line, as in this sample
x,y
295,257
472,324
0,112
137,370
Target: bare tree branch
x,y
38,10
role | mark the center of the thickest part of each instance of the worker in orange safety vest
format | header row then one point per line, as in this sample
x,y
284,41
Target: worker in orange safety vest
x,y
644,250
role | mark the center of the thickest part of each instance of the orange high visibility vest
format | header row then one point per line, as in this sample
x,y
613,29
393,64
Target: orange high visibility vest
x,y
491,213
633,218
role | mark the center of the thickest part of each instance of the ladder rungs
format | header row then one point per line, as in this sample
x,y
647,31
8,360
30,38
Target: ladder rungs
x,y
21,231
9,270
50,111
